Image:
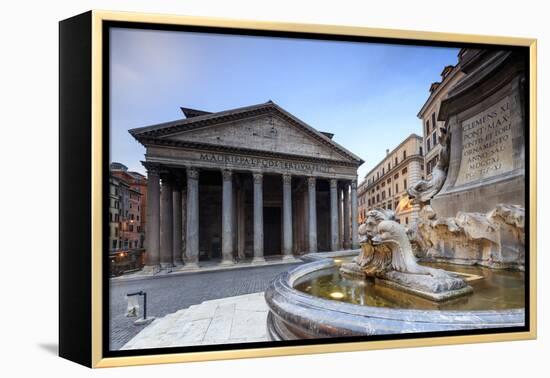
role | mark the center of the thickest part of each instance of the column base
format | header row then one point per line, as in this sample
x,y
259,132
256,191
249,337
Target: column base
x,y
189,265
150,269
288,257
228,262
258,260
177,264
165,268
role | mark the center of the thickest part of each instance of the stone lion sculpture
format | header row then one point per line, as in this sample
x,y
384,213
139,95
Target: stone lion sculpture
x,y
394,236
385,246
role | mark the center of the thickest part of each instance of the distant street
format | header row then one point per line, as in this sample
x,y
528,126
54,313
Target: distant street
x,y
167,294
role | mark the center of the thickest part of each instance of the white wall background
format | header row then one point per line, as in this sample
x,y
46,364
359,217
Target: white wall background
x,y
29,189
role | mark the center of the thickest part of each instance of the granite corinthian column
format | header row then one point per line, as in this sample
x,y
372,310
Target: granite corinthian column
x,y
166,225
177,227
152,237
227,218
258,218
354,217
346,243
192,218
334,227
312,214
287,216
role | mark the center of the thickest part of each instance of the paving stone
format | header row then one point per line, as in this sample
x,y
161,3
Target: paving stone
x,y
219,330
249,324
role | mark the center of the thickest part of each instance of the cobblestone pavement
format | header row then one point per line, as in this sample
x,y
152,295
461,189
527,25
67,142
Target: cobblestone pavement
x,y
166,294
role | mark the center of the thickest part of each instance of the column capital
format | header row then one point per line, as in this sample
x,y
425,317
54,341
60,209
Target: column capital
x,y
311,181
227,174
152,168
192,173
287,179
333,183
354,184
258,177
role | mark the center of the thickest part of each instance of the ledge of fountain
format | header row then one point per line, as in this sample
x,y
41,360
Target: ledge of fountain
x,y
298,315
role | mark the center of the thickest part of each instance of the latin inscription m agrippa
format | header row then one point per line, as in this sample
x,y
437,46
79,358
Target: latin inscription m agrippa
x,y
486,144
264,163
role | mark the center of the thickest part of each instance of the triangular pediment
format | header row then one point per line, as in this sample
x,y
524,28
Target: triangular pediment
x,y
264,127
265,133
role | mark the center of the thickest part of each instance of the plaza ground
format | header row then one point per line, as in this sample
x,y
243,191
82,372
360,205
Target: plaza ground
x,y
171,293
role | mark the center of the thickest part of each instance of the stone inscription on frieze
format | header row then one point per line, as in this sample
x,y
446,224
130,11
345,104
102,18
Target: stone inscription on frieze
x,y
265,163
486,144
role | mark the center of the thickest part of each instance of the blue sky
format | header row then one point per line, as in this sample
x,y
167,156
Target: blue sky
x,y
368,95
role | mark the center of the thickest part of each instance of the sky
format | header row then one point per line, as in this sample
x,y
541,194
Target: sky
x,y
367,94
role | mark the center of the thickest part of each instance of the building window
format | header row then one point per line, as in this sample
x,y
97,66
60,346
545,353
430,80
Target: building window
x,y
406,220
383,195
428,127
434,125
404,154
395,160
389,191
405,184
420,152
114,244
396,176
428,145
378,198
389,166
396,187
434,139
404,171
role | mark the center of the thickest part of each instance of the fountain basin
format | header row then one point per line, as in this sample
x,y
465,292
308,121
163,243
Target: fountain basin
x,y
295,314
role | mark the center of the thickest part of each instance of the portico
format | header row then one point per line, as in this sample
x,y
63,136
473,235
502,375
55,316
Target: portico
x,y
248,183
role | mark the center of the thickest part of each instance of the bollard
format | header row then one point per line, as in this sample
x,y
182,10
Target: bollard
x,y
145,319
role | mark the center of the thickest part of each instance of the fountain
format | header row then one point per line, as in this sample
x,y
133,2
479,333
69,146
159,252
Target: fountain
x,y
384,290
387,257
460,265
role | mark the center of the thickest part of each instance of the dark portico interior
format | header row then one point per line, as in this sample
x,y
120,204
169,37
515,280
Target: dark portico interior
x,y
210,215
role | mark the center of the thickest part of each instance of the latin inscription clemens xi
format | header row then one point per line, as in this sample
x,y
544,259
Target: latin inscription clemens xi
x,y
486,144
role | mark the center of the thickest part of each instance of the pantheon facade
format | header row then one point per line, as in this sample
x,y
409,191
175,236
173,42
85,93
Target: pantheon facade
x,y
244,184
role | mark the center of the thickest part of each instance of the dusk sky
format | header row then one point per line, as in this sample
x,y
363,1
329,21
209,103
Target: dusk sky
x,y
368,95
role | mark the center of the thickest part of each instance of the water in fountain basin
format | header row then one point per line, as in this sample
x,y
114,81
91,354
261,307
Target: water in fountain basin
x,y
498,289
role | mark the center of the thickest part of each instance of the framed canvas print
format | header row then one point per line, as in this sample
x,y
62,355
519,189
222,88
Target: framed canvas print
x,y
235,189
